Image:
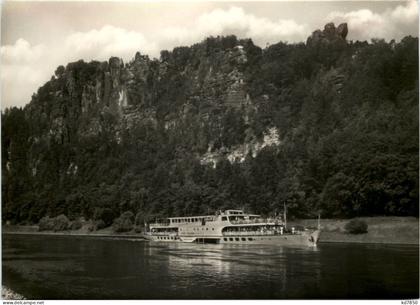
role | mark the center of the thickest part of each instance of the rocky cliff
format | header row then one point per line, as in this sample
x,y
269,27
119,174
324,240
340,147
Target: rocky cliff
x,y
222,123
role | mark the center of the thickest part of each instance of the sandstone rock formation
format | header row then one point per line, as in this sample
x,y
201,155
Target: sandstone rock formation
x,y
330,34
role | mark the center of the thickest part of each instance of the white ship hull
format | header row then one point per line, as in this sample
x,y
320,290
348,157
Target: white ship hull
x,y
230,227
301,239
305,239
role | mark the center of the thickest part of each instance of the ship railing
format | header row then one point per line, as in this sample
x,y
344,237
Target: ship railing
x,y
160,224
162,233
233,233
258,220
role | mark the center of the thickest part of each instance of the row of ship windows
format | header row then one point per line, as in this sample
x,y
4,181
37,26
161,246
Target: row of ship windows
x,y
202,229
187,220
242,239
237,239
225,238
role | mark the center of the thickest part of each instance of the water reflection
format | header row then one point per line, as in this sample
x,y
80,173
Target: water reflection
x,y
238,265
78,268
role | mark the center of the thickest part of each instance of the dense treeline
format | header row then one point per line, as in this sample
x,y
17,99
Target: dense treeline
x,y
347,116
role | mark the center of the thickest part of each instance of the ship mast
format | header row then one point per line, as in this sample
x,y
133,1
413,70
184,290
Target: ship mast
x,y
284,215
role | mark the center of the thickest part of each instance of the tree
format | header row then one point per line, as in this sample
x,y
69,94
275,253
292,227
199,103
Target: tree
x,y
356,226
124,223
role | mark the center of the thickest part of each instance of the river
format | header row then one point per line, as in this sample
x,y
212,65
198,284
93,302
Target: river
x,y
64,267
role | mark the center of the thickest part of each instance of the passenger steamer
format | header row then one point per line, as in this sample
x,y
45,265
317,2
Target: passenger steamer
x,y
230,227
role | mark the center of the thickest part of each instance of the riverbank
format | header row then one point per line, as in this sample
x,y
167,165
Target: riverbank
x,y
8,294
381,230
83,232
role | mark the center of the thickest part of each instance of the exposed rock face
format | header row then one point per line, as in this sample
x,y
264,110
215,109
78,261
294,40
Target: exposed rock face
x,y
199,83
187,88
330,34
342,30
239,152
334,79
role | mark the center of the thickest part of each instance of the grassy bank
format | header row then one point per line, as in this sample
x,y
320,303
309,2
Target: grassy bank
x,y
106,232
386,230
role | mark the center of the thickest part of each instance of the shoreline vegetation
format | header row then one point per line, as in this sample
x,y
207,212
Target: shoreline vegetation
x,y
34,230
381,230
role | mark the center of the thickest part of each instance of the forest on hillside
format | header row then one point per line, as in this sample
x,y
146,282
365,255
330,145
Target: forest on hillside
x,y
131,137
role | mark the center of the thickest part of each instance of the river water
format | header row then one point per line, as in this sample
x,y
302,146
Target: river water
x,y
64,267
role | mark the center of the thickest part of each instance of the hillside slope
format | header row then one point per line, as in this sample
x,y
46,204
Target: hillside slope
x,y
328,125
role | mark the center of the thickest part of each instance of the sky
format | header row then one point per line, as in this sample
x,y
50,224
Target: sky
x,y
36,37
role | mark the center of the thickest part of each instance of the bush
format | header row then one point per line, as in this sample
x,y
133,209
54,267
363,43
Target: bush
x,y
100,224
91,227
106,215
61,223
76,225
46,224
96,225
140,219
356,226
299,228
139,222
129,215
97,213
124,223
